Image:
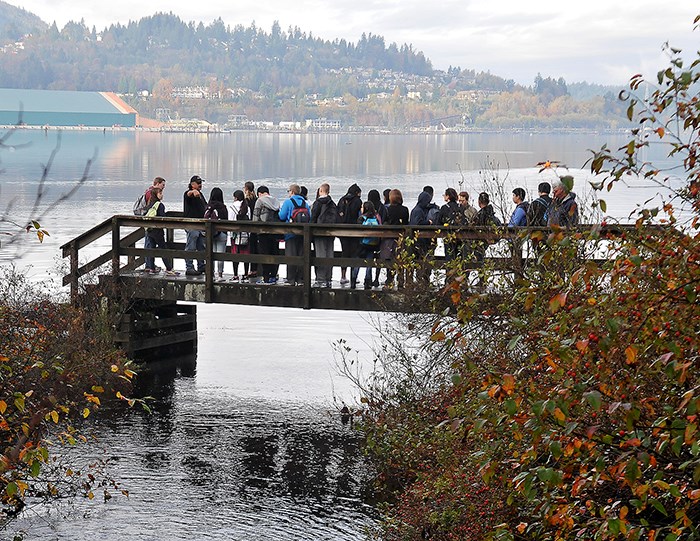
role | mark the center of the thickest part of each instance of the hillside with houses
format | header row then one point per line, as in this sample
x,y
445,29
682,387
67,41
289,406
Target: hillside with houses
x,y
248,77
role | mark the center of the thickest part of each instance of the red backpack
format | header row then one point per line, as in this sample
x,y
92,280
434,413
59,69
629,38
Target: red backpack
x,y
300,213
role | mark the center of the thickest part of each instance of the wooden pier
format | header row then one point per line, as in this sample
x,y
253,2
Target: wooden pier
x,y
159,320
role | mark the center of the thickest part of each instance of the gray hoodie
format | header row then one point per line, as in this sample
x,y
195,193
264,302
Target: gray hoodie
x,y
266,209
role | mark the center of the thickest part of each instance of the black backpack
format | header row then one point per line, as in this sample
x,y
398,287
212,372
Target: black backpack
x,y
328,214
300,213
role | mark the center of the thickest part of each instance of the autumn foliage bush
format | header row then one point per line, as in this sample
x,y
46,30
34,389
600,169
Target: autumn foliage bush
x,y
57,366
573,406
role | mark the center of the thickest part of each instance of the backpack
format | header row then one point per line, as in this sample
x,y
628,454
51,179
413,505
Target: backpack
x,y
343,207
153,210
434,215
211,214
537,213
141,206
300,213
269,215
328,214
370,241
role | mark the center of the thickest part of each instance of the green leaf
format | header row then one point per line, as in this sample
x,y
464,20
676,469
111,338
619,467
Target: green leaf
x,y
11,489
568,182
456,379
656,504
555,449
594,399
632,471
614,526
603,205
511,406
545,474
35,468
514,342
696,474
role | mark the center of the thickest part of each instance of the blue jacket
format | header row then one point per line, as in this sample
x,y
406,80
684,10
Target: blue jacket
x,y
519,216
287,208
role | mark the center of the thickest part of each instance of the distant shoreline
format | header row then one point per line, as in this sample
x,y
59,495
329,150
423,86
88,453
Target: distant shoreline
x,y
350,131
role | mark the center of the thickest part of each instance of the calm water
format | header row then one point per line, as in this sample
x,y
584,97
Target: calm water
x,y
248,445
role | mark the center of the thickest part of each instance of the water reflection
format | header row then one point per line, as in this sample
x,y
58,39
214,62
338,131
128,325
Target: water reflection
x,y
224,468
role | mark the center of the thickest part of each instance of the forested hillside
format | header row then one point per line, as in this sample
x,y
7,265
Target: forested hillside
x,y
15,23
171,69
138,55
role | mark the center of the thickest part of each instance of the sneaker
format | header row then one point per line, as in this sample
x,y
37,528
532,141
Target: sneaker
x,y
172,273
328,284
344,281
192,272
234,279
271,281
244,280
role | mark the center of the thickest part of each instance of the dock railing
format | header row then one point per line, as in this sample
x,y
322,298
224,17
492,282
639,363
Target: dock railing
x,y
126,231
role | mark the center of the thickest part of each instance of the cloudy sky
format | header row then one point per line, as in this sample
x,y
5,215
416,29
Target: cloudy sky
x,y
599,41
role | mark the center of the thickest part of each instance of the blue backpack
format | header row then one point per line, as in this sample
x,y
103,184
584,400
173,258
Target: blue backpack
x,y
370,241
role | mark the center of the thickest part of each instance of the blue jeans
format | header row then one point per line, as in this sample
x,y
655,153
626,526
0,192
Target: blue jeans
x,y
148,243
194,243
220,241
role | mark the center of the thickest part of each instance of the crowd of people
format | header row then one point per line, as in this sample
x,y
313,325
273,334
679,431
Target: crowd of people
x,y
555,206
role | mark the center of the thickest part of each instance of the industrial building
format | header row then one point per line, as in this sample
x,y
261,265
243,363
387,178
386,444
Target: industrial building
x,y
64,108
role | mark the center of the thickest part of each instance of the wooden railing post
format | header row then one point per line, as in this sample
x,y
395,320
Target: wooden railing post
x,y
306,250
115,247
74,282
208,260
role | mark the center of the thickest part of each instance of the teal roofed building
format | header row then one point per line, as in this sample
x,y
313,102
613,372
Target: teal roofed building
x,y
64,108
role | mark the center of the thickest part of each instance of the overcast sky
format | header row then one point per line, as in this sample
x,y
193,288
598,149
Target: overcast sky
x,y
602,41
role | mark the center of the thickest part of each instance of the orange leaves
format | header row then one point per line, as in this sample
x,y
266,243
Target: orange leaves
x,y
582,345
92,398
631,355
556,302
505,389
3,407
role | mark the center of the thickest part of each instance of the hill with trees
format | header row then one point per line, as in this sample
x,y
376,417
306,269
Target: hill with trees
x,y
165,66
15,23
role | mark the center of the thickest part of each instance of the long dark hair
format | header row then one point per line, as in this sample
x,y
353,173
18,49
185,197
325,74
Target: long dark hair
x,y
216,195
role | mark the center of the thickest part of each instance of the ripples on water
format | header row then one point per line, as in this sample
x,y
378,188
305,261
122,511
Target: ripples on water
x,y
213,466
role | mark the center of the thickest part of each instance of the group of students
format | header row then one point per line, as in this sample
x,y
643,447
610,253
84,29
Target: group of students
x,y
248,204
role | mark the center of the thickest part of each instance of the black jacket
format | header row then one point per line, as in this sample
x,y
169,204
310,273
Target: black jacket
x,y
324,211
193,207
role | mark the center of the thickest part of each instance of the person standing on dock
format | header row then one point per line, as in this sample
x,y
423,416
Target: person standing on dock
x,y
251,199
266,209
536,214
324,211
349,210
564,209
519,216
155,236
147,198
194,204
295,209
